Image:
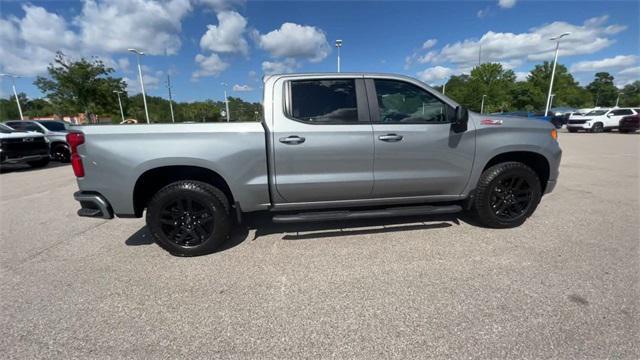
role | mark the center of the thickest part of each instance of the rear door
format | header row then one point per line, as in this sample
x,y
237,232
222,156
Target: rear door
x,y
323,141
416,151
614,117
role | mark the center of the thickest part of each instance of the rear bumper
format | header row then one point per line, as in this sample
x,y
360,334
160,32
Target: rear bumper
x,y
93,205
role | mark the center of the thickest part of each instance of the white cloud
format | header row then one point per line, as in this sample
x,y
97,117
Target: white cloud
x,y
521,75
295,41
242,88
102,29
429,43
221,5
115,25
279,67
481,14
227,36
123,64
435,74
152,80
627,76
506,4
27,47
590,37
210,65
608,64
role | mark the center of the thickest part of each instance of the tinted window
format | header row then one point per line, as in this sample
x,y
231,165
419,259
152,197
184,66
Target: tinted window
x,y
324,101
25,126
5,129
401,102
622,112
53,125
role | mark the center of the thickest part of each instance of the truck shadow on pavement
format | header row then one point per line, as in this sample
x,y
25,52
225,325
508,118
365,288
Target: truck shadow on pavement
x,y
264,226
9,168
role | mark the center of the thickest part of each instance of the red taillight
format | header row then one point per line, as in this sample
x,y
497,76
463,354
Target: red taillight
x,y
74,139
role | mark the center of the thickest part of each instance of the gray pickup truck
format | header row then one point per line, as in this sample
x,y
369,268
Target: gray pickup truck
x,y
333,146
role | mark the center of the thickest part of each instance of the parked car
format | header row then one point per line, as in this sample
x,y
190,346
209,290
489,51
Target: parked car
x,y
630,123
330,147
55,132
21,147
599,120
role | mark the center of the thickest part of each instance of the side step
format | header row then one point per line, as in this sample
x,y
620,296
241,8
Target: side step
x,y
367,214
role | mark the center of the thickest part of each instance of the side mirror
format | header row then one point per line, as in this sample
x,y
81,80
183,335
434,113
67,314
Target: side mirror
x,y
609,115
460,120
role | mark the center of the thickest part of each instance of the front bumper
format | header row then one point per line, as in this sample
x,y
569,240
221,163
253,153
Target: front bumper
x,y
23,159
93,205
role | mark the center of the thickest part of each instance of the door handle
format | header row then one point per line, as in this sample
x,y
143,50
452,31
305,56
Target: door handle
x,y
292,140
390,137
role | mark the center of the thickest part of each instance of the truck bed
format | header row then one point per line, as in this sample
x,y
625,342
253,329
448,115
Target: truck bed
x,y
115,156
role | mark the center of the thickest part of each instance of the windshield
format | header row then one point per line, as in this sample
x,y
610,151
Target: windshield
x,y
596,112
54,125
5,129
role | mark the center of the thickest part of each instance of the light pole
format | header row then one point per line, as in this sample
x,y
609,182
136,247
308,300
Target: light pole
x,y
444,86
120,103
551,102
144,96
226,100
15,94
338,45
170,99
553,71
482,104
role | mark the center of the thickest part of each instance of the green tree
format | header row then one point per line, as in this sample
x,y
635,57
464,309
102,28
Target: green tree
x,y
630,95
566,89
75,86
489,79
602,89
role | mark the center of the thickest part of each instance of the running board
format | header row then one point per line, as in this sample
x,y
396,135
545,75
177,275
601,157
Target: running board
x,y
367,214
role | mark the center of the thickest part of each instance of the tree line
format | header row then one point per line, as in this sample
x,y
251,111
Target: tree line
x,y
504,93
87,86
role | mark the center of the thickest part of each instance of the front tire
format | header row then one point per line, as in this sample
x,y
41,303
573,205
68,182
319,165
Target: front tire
x,y
506,195
597,128
189,218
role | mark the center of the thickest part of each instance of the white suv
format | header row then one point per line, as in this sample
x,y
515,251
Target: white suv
x,y
599,120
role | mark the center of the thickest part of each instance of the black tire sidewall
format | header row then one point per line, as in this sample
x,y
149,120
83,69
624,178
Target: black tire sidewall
x,y
490,177
205,194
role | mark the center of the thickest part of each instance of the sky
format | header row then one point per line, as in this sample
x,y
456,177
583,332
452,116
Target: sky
x,y
202,44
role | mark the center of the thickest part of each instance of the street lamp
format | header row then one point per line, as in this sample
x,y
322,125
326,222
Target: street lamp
x,y
553,71
144,96
338,45
551,102
119,103
482,104
13,86
226,100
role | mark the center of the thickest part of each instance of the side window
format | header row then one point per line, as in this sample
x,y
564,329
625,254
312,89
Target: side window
x,y
622,112
401,102
324,101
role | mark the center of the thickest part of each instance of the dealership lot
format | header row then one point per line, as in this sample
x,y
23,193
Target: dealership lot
x,y
564,285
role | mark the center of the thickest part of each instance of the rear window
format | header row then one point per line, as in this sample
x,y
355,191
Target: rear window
x,y
53,125
324,101
596,112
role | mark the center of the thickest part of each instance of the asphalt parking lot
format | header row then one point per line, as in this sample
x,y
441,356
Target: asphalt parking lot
x,y
563,285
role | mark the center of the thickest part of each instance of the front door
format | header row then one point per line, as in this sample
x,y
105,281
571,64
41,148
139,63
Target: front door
x,y
416,151
323,141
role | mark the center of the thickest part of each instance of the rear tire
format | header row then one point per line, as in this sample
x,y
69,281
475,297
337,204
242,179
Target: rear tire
x,y
39,163
61,153
189,218
506,195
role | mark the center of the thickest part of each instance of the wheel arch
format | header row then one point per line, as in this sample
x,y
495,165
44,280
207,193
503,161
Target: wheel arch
x,y
152,180
534,160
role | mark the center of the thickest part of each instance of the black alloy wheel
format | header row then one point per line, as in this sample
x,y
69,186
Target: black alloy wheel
x,y
511,198
187,221
189,218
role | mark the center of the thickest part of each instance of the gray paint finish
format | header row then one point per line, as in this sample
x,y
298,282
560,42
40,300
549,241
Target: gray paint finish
x,y
336,165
